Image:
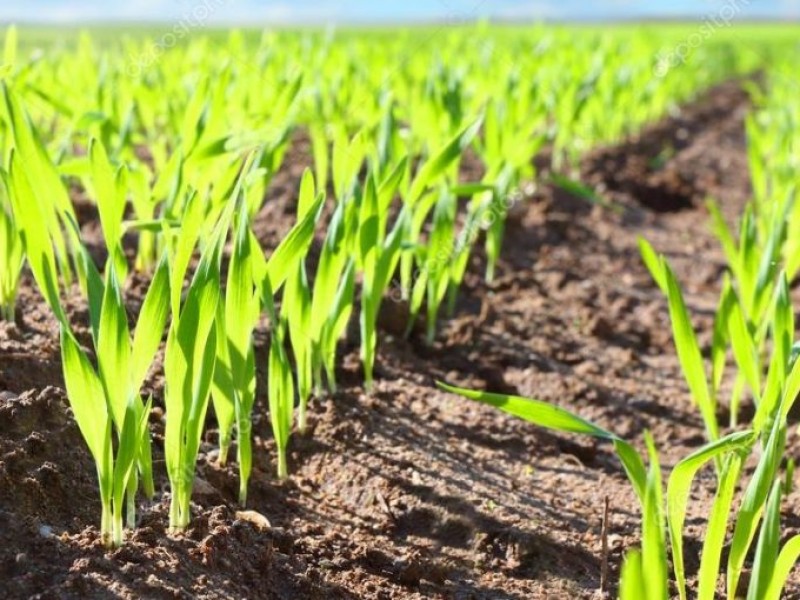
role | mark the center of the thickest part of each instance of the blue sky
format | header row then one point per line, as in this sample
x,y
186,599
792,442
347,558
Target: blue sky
x,y
343,11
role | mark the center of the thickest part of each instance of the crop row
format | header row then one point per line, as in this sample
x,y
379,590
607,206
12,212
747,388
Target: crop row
x,y
753,355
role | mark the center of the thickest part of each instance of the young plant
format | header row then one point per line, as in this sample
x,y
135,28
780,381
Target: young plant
x,y
234,383
104,400
236,317
415,191
123,363
487,211
270,275
40,188
331,299
297,312
188,371
754,500
772,568
434,279
506,151
755,261
250,284
281,397
12,258
644,573
379,256
685,339
730,451
96,417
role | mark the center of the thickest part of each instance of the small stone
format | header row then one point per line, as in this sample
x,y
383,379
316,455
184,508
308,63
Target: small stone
x,y
45,531
254,518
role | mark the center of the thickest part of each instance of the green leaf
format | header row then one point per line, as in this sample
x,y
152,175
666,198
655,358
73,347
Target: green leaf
x,y
767,548
654,551
292,248
721,335
86,395
110,190
42,185
151,323
689,354
35,238
130,439
114,349
582,191
281,398
745,349
787,559
723,233
715,536
678,488
753,501
440,161
654,264
791,390
307,195
222,388
557,419
632,578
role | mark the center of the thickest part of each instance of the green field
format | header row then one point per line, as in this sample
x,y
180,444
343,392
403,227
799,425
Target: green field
x,y
140,165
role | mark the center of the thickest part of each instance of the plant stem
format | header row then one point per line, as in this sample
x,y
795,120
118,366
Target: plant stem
x,y
302,415
490,271
105,525
117,523
736,396
330,370
7,311
452,298
130,501
283,469
245,450
242,492
174,509
430,335
317,373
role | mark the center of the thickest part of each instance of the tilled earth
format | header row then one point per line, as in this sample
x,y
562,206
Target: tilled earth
x,y
410,492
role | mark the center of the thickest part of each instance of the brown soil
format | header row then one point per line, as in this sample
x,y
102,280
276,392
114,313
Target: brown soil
x,y
412,493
